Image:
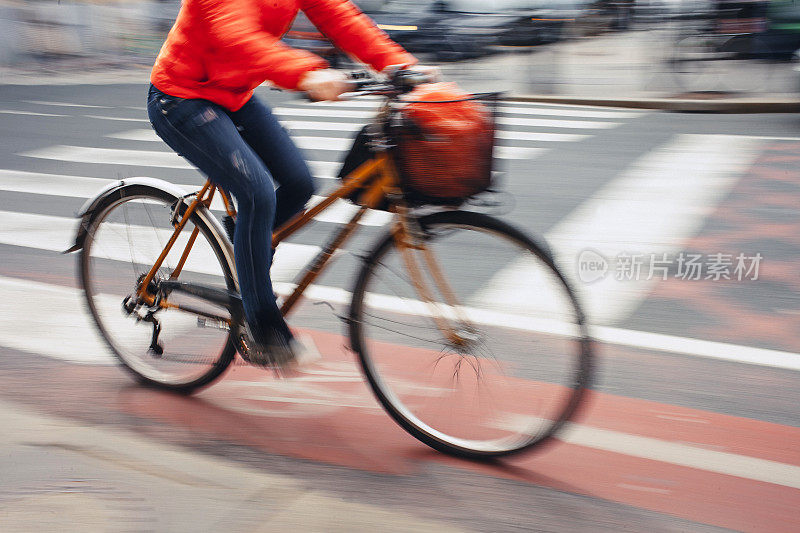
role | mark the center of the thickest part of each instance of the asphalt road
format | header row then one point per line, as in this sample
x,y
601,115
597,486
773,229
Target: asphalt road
x,y
690,219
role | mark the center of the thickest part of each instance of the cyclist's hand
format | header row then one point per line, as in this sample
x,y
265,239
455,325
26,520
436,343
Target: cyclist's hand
x,y
430,72
326,84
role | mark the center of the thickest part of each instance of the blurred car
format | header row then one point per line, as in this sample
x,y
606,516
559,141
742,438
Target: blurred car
x,y
514,22
452,29
783,28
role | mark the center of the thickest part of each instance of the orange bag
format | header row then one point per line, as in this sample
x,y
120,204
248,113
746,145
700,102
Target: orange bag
x,y
444,144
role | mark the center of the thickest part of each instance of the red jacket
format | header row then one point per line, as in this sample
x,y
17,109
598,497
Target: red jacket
x,y
220,50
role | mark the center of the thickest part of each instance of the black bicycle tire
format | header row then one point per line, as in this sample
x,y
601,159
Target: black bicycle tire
x,y
107,203
582,370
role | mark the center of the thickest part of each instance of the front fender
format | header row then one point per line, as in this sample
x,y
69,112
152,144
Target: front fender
x,y
87,210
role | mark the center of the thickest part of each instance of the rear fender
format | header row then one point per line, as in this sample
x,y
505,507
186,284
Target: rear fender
x,y
91,205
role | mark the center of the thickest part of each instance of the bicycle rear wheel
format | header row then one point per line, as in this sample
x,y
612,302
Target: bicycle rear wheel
x,y
522,360
125,236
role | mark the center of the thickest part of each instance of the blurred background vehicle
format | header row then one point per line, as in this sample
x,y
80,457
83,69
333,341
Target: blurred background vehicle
x,y
450,30
783,30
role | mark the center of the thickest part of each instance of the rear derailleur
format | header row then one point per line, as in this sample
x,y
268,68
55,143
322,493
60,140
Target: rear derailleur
x,y
137,308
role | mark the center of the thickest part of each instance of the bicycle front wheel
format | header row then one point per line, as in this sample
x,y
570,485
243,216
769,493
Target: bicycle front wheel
x,y
494,359
125,237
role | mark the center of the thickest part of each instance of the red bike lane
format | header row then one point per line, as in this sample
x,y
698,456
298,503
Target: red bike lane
x,y
706,467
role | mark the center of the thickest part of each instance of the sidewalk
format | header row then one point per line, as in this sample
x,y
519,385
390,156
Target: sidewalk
x,y
59,476
630,69
626,69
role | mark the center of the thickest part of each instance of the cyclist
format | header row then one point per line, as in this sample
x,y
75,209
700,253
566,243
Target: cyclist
x,y
201,104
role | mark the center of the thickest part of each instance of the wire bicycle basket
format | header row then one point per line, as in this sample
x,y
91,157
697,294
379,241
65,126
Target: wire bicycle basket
x,y
443,144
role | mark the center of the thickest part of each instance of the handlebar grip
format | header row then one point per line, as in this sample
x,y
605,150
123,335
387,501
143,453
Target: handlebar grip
x,y
409,78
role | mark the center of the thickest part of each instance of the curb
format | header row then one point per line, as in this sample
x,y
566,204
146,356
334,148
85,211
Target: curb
x,y
681,105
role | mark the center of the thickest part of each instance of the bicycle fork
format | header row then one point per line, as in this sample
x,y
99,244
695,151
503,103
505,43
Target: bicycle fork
x,y
410,239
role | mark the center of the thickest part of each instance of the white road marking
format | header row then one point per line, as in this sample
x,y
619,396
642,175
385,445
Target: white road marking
x,y
725,463
121,119
340,143
539,136
618,336
322,112
56,234
372,103
148,135
110,156
514,152
168,159
652,208
64,330
14,112
324,169
309,143
83,187
567,112
321,125
551,123
145,158
522,103
642,488
334,144
64,104
342,211
768,137
505,121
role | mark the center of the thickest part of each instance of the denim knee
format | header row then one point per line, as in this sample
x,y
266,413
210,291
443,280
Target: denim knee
x,y
262,198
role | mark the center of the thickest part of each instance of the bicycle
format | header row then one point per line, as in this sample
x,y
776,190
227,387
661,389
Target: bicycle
x,y
158,274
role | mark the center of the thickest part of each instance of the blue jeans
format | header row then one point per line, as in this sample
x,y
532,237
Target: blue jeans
x,y
243,152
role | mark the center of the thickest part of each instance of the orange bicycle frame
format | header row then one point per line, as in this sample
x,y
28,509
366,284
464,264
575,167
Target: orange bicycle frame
x,y
378,179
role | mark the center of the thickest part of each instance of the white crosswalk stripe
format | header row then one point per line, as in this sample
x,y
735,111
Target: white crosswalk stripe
x,y
313,129
502,120
321,126
29,113
552,123
122,119
65,104
148,135
596,223
313,137
323,112
110,156
85,187
56,234
508,109
658,203
333,144
145,158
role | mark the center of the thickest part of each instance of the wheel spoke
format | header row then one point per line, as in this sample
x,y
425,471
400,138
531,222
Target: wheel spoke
x,y
128,231
488,390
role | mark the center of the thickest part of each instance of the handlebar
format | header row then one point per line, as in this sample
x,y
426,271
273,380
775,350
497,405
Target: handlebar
x,y
392,84
398,82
